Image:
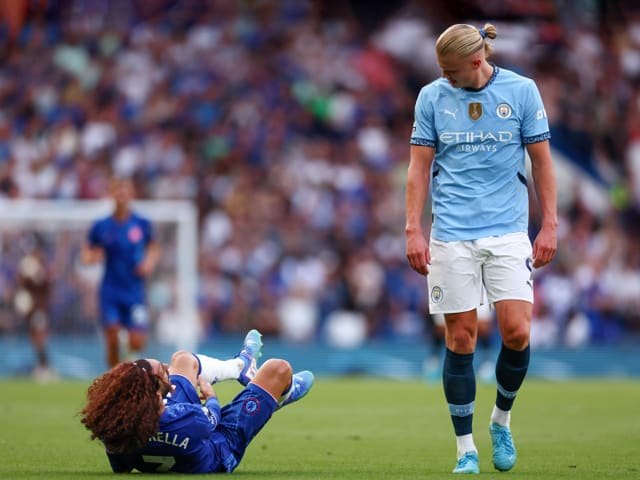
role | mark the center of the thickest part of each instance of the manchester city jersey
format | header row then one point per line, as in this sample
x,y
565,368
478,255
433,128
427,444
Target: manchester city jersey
x,y
479,184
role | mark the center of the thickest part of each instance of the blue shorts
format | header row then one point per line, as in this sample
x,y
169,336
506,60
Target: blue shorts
x,y
131,315
241,419
245,416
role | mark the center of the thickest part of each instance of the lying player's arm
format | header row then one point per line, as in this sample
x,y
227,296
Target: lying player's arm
x,y
211,406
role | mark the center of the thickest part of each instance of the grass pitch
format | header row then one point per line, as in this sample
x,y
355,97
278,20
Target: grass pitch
x,y
357,428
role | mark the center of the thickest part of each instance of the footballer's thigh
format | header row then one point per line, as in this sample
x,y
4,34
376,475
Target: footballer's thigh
x,y
514,322
461,332
509,284
507,267
455,277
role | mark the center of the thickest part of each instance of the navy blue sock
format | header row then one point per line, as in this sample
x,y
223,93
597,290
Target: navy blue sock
x,y
511,369
459,382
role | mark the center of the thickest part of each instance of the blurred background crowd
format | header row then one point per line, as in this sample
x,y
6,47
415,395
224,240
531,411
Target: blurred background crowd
x,y
287,123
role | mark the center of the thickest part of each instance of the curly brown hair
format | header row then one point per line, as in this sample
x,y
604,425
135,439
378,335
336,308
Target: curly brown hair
x,y
123,408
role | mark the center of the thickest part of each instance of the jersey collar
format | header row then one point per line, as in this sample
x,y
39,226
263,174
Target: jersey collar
x,y
493,77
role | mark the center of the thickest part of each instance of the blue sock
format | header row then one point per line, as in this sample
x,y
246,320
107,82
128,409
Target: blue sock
x,y
511,369
459,382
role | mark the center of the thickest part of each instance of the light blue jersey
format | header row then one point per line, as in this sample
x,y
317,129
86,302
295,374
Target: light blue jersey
x,y
479,182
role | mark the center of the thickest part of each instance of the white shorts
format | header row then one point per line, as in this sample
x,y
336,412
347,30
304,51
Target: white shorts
x,y
485,314
459,271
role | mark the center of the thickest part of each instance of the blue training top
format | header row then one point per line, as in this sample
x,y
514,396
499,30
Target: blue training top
x,y
479,185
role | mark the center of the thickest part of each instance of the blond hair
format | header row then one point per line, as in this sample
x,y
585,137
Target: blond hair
x,y
464,40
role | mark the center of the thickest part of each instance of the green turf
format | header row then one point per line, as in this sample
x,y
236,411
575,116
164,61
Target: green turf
x,y
355,428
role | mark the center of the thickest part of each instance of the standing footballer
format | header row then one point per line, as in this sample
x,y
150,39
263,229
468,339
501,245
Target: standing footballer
x,y
125,242
471,129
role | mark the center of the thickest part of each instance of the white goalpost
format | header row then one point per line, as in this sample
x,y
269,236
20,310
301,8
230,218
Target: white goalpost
x,y
180,326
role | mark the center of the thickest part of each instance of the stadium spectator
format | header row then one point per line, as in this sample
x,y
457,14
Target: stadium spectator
x,y
125,242
150,416
32,303
277,101
470,133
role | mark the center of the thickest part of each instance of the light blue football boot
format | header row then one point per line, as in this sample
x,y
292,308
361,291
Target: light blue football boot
x,y
468,463
504,452
250,353
301,383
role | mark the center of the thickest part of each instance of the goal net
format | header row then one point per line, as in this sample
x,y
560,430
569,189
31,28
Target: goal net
x,y
56,230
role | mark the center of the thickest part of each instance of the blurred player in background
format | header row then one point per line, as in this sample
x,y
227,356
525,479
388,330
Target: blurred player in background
x,y
125,242
150,416
470,133
31,302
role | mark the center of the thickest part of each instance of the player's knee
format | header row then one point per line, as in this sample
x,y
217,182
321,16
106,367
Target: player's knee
x,y
277,367
516,338
183,361
460,340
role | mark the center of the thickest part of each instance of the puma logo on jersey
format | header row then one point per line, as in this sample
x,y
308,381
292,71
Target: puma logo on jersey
x,y
449,112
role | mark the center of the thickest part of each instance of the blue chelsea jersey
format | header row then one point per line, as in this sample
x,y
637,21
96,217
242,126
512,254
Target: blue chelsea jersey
x,y
187,442
479,185
124,243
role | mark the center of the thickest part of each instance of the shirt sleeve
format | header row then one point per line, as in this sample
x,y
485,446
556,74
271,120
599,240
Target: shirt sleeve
x,y
535,124
200,420
423,132
212,410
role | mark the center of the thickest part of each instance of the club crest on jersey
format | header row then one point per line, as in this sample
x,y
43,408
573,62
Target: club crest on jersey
x,y
475,110
251,406
436,294
503,110
135,234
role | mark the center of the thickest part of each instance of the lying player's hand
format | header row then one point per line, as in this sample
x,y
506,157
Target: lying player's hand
x,y
206,389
